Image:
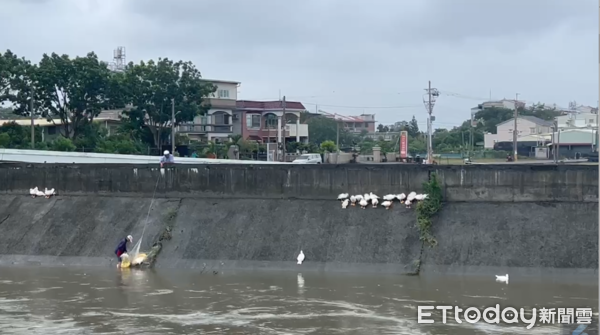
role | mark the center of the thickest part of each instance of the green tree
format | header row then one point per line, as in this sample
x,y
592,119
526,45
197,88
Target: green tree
x,y
150,86
416,146
17,79
321,129
413,127
69,92
119,144
19,137
62,144
328,146
10,67
4,140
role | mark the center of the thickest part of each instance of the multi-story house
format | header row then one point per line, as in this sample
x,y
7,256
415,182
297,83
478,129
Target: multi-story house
x,y
504,103
354,124
577,120
526,126
218,121
262,121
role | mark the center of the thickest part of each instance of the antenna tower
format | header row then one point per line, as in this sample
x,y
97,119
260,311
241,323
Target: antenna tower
x,y
119,59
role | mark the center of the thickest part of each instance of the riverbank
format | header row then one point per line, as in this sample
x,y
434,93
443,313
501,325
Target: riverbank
x,y
260,218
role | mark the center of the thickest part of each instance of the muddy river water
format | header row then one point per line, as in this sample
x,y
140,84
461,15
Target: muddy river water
x,y
111,301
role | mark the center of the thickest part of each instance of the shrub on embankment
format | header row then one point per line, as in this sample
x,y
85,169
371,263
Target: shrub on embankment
x,y
428,208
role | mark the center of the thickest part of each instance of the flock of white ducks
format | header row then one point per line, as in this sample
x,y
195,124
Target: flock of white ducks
x,y
35,192
372,199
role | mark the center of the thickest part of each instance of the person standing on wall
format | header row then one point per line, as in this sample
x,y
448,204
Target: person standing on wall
x,y
167,158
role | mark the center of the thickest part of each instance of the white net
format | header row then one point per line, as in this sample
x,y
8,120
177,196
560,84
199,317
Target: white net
x,y
135,251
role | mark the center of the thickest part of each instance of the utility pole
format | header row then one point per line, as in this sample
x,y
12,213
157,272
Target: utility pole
x,y
471,142
283,124
429,99
515,130
554,130
172,126
337,135
558,145
32,121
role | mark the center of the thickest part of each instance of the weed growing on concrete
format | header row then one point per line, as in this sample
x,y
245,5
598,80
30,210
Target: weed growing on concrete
x,y
170,220
427,209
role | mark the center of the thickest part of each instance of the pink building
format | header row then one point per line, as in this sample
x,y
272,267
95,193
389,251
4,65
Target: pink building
x,y
262,121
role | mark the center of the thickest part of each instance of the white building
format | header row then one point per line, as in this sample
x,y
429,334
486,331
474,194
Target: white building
x,y
577,120
218,121
504,103
526,126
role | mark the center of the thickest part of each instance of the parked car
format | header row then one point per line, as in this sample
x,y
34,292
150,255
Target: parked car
x,y
309,159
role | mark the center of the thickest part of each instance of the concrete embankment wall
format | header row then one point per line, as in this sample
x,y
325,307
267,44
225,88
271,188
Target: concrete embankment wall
x,y
261,216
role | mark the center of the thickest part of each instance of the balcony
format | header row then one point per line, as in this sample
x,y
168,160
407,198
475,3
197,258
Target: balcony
x,y
204,128
294,130
291,130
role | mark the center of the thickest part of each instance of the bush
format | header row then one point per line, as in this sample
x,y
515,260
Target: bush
x,y
427,209
62,144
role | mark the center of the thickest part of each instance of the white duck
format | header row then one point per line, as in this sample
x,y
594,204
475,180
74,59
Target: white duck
x,y
345,203
363,203
387,204
33,191
374,201
352,200
39,193
408,203
367,197
49,193
373,196
411,196
300,257
420,197
358,197
343,196
502,278
389,197
401,197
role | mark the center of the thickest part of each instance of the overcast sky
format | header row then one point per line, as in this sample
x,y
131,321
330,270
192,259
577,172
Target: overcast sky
x,y
347,56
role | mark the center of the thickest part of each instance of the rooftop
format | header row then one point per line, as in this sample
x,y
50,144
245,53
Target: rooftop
x,y
347,118
222,81
533,119
107,115
269,105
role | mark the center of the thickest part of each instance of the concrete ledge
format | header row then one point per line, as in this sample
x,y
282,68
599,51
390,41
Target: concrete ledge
x,y
502,183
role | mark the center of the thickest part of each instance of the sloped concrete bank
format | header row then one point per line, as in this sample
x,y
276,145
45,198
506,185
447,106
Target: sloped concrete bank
x,y
542,219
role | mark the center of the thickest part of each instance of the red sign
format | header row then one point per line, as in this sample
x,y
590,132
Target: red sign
x,y
403,144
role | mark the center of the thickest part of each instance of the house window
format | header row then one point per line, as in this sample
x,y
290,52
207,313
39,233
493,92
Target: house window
x,y
52,130
532,130
223,93
255,121
221,118
271,121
